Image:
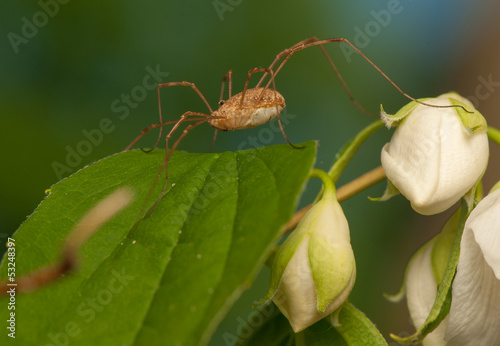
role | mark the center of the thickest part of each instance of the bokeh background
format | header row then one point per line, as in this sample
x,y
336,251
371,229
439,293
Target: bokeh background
x,y
63,72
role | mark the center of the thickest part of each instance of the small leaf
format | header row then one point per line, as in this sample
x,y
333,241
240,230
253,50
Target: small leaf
x,y
356,329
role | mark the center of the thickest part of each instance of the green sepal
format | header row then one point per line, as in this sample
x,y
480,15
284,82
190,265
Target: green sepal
x,y
332,269
391,120
473,121
443,243
390,191
400,294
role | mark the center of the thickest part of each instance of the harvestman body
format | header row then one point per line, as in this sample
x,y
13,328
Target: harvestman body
x,y
253,106
232,116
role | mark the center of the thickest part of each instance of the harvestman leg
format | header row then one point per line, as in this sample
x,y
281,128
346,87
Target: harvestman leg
x,y
169,152
162,123
283,53
197,117
183,118
227,76
320,43
163,85
309,42
150,127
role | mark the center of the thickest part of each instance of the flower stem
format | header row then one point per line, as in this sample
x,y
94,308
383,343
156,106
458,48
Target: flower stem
x,y
494,134
347,152
348,190
328,184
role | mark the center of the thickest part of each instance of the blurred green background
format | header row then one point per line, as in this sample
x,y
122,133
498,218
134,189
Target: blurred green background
x,y
63,72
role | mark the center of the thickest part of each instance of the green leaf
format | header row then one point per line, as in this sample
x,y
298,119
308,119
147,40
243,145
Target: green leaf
x,y
169,278
356,329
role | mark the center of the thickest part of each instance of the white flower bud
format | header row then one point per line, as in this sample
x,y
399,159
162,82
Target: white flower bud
x,y
314,270
425,271
436,155
421,290
475,307
474,317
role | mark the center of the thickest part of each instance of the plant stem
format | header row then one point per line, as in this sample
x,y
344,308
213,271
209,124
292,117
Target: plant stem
x,y
350,149
494,134
348,190
325,178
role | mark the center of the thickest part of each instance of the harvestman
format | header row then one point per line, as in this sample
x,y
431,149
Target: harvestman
x,y
251,107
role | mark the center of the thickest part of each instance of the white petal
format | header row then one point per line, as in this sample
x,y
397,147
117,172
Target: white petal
x,y
463,159
485,224
475,308
421,291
